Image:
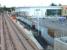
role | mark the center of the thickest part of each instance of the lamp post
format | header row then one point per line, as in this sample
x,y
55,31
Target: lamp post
x,y
38,10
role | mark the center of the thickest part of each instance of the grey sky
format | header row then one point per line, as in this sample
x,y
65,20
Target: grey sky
x,y
17,3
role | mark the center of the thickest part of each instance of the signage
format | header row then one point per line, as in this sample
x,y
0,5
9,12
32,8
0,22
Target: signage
x,y
64,10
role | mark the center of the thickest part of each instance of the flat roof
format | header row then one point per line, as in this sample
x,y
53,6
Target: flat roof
x,y
42,7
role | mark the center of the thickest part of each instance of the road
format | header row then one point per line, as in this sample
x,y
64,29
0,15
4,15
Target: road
x,y
11,38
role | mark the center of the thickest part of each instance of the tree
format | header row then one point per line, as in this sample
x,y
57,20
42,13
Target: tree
x,y
13,8
52,4
60,5
0,5
4,8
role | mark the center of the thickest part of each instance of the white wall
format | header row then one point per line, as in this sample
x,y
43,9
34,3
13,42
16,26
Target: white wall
x,y
40,13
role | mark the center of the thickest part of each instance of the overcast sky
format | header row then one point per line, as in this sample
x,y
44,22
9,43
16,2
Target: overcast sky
x,y
19,3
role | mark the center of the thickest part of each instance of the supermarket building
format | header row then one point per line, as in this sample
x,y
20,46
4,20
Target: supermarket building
x,y
42,11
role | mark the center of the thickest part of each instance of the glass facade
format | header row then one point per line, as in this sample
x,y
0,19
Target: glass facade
x,y
53,12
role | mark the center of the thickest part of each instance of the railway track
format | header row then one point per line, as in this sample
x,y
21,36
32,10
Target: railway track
x,y
9,45
20,38
12,38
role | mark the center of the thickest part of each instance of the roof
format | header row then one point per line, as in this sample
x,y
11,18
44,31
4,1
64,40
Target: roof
x,y
41,7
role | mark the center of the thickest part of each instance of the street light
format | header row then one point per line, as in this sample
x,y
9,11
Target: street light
x,y
38,10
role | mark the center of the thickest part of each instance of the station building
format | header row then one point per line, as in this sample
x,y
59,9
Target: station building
x,y
42,11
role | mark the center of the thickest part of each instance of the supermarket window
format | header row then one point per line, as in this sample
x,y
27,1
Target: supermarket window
x,y
53,12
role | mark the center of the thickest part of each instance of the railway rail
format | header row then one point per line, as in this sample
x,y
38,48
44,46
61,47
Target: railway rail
x,y
11,37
